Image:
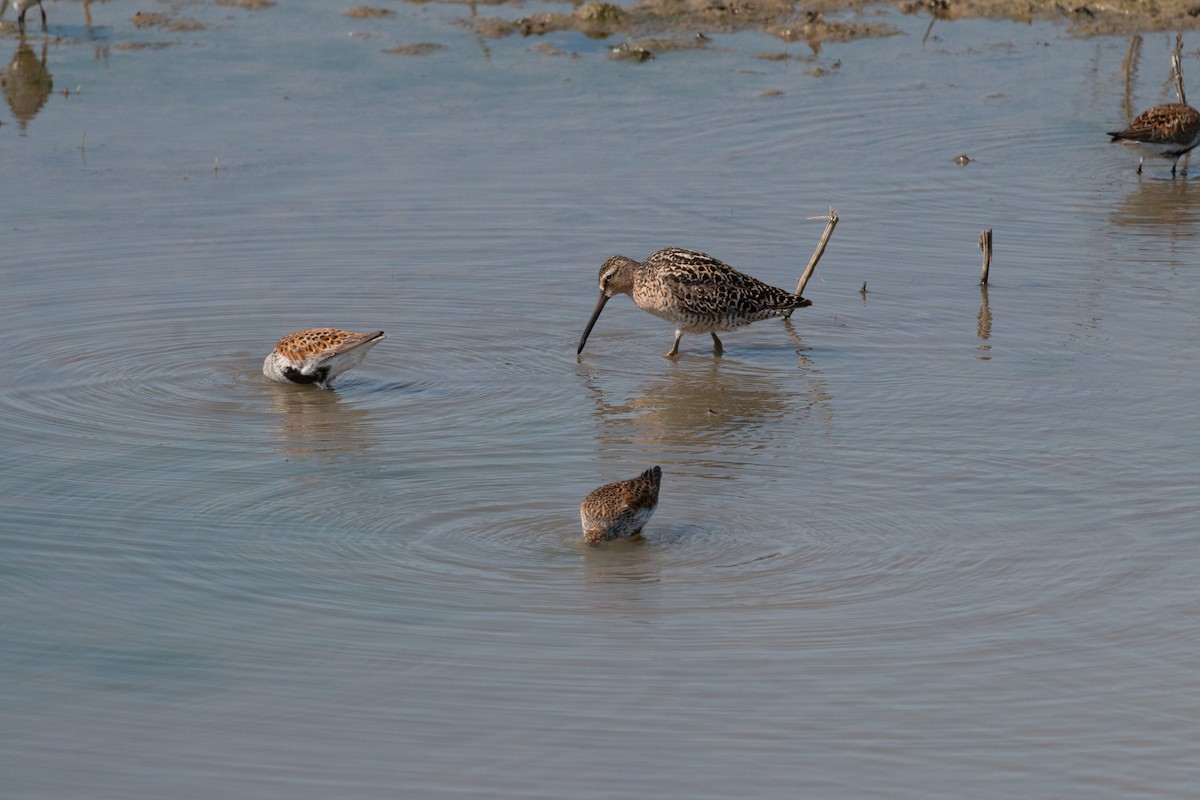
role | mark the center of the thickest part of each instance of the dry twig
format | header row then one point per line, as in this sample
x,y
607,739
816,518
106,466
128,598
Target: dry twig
x,y
985,244
816,256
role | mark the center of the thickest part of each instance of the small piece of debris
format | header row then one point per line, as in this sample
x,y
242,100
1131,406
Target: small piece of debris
x,y
547,49
600,12
251,5
418,49
154,19
129,47
631,52
369,12
962,160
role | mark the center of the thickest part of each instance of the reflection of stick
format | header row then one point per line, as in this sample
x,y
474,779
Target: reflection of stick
x,y
816,256
984,329
985,244
1130,68
1177,67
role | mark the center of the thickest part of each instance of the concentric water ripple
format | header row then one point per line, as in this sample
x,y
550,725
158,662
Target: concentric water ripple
x,y
926,536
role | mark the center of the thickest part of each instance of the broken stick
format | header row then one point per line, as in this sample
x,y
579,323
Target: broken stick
x,y
1177,68
985,244
816,256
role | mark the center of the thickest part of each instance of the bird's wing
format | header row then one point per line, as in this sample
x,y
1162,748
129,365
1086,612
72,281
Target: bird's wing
x,y
1161,124
718,287
351,341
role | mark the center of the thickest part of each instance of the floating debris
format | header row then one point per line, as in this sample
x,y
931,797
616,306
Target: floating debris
x,y
632,52
130,47
547,49
600,12
418,49
155,19
369,12
249,5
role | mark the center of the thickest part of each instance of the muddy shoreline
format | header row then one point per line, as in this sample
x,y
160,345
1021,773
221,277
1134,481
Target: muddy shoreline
x,y
661,25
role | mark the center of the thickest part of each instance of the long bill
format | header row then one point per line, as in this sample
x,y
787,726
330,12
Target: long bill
x,y
591,322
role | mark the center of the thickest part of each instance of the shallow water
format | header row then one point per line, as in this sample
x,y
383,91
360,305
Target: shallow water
x,y
927,542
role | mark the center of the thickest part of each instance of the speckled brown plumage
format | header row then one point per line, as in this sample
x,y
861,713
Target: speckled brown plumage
x,y
692,290
1167,131
318,355
621,508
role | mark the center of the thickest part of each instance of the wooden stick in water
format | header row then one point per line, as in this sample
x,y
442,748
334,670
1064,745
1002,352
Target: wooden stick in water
x,y
816,256
985,244
1177,67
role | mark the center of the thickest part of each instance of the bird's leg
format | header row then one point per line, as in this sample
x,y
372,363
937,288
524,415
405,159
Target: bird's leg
x,y
674,351
1174,164
718,349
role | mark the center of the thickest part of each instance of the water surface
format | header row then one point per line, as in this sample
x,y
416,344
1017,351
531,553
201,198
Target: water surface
x,y
926,542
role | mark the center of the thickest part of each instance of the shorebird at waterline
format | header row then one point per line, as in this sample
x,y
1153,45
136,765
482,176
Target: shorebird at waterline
x,y
1169,131
21,6
318,355
620,509
694,291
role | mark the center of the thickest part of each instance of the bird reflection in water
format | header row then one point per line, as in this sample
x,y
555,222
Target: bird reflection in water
x,y
1169,209
26,84
698,403
629,573
312,423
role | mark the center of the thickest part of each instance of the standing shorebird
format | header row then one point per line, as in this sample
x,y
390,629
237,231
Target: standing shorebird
x,y
620,509
21,6
318,355
1168,131
695,291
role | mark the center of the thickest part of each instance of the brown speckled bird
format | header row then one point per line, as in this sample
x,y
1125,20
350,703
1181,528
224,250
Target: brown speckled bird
x,y
695,291
620,509
1167,131
318,355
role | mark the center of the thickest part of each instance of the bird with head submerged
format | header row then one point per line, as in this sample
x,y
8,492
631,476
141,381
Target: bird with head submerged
x,y
620,509
318,355
692,290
